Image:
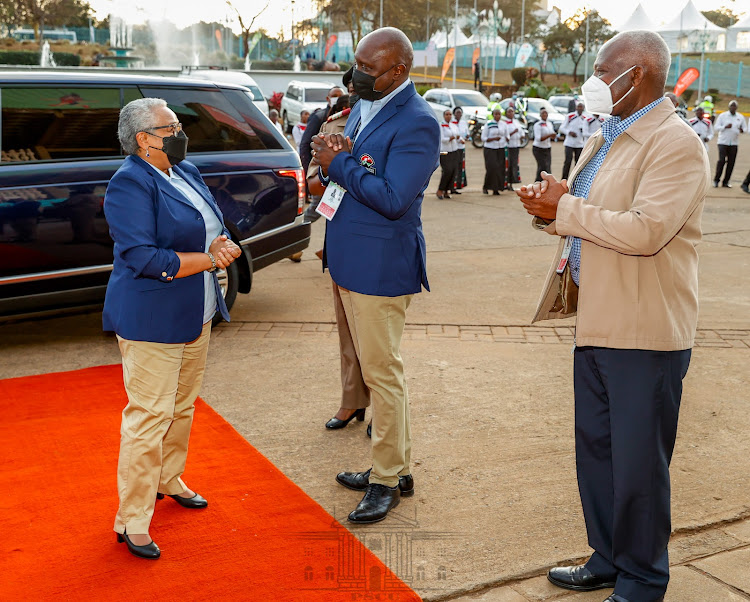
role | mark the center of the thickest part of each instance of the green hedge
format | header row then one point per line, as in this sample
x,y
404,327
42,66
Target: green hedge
x,y
519,75
271,65
31,57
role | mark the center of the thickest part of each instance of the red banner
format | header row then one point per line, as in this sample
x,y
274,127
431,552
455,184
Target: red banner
x,y
219,40
475,56
447,62
329,44
688,77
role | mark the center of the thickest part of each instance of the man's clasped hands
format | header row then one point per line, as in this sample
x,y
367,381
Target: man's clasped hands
x,y
541,198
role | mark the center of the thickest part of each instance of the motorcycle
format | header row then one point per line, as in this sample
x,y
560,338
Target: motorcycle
x,y
475,131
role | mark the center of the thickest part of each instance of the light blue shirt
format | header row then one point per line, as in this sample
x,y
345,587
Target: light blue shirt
x,y
213,229
369,108
611,130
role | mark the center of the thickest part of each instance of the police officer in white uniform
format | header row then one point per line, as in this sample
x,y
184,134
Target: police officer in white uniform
x,y
594,123
542,147
729,125
573,128
495,138
515,135
702,126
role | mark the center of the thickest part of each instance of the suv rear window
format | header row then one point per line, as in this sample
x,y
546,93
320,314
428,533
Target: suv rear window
x,y
59,123
217,120
315,95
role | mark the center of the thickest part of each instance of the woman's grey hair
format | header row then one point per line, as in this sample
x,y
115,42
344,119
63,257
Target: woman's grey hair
x,y
136,116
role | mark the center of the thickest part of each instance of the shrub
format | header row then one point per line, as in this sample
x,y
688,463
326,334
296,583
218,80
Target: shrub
x,y
277,65
534,88
19,57
31,57
519,75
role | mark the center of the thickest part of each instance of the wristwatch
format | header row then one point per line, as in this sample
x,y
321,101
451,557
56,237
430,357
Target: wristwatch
x,y
213,261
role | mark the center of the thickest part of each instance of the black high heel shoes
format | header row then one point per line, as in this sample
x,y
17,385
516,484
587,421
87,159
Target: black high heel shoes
x,y
150,551
335,423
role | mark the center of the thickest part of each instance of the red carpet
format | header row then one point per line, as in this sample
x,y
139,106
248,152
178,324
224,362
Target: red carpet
x,y
261,538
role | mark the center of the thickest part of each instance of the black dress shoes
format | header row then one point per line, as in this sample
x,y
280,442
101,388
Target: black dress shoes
x,y
150,551
335,423
376,504
726,185
369,430
360,480
579,578
197,501
616,598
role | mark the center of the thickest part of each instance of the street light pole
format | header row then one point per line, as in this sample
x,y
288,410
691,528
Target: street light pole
x,y
381,14
586,62
523,17
494,39
455,43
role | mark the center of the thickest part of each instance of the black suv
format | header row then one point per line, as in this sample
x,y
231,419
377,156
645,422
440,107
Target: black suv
x,y
58,136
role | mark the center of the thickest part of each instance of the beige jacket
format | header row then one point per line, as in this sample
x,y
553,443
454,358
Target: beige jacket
x,y
639,229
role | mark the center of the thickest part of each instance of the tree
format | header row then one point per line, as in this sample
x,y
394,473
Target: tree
x,y
723,17
569,38
11,15
54,13
246,29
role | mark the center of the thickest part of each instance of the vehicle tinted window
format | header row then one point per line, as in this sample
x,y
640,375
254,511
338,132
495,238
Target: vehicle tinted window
x,y
264,130
59,123
315,95
212,122
291,93
256,93
470,99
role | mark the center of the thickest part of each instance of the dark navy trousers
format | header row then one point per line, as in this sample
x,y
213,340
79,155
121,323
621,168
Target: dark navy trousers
x,y
627,403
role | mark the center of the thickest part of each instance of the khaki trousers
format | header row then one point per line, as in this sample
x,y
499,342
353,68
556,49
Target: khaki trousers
x,y
354,392
376,325
162,382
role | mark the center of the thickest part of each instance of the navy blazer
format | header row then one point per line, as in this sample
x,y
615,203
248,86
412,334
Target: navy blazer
x,y
374,244
150,221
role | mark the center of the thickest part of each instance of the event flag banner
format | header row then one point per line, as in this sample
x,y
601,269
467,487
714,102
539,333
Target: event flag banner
x,y
253,42
524,54
447,62
329,44
683,83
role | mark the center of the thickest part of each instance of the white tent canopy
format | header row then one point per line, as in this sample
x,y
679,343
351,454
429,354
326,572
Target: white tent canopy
x,y
639,20
487,42
455,37
738,35
690,31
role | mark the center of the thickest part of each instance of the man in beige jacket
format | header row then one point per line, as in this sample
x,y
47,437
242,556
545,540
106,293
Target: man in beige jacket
x,y
627,266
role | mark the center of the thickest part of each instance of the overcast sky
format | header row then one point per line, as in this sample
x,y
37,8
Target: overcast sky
x,y
279,13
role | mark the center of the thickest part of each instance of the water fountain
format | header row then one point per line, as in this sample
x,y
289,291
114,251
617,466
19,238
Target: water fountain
x,y
46,59
121,43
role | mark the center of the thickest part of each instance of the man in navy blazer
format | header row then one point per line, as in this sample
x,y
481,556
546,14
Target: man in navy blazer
x,y
375,248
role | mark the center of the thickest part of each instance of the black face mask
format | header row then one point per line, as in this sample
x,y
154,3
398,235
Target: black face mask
x,y
175,147
353,100
364,85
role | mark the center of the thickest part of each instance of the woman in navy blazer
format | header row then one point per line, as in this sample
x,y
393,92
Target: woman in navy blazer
x,y
169,238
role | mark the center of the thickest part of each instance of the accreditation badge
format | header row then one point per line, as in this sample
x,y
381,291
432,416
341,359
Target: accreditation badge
x,y
331,200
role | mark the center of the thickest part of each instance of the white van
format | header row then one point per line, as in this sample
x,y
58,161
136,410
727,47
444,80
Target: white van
x,y
303,95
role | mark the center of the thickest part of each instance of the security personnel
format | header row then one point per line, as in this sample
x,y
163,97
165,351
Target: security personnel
x,y
573,129
594,123
515,135
544,132
729,125
495,99
702,126
708,106
495,138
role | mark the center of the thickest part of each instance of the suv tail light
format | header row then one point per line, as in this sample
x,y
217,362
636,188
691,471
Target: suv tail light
x,y
298,175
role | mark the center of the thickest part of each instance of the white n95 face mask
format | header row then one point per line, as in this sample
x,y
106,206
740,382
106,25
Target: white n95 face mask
x,y
598,96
